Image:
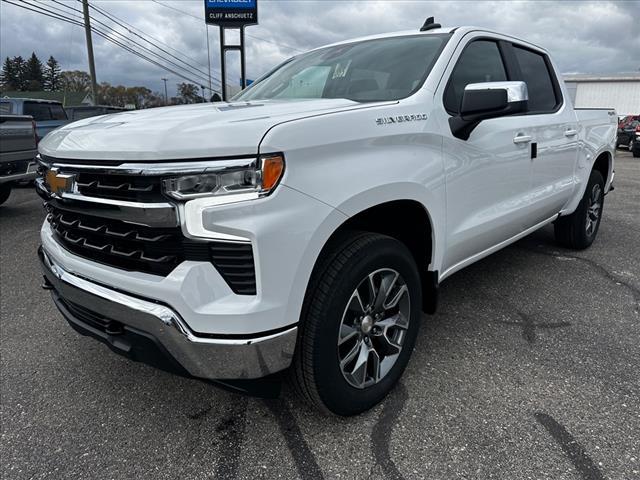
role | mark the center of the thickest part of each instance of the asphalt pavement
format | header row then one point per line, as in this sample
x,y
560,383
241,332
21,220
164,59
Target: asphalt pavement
x,y
530,370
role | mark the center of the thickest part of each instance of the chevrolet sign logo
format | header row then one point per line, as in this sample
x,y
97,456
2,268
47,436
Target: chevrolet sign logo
x,y
58,183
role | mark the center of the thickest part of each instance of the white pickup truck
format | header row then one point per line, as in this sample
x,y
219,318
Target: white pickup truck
x,y
307,224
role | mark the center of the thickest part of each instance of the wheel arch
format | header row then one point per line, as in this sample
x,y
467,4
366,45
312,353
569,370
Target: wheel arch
x,y
409,221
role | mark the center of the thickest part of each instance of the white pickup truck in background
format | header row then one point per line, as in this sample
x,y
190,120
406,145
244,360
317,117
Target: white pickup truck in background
x,y
307,224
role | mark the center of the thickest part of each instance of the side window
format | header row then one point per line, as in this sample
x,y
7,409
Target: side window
x,y
535,73
480,62
5,108
57,112
39,111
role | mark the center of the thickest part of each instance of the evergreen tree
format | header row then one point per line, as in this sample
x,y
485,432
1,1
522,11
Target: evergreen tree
x,y
20,65
10,78
33,78
52,75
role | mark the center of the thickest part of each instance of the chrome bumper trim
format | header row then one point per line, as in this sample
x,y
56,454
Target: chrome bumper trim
x,y
155,215
210,358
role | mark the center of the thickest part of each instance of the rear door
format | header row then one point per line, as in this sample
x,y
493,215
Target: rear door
x,y
488,176
553,127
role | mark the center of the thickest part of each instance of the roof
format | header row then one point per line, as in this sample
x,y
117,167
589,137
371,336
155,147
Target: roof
x,y
608,77
461,30
66,98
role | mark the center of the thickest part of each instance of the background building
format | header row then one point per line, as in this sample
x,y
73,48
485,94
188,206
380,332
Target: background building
x,y
620,91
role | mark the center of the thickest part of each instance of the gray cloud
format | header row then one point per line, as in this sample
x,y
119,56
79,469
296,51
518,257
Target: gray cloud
x,y
583,37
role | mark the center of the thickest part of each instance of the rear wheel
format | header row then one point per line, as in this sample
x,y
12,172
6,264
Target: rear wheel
x,y
579,230
359,324
5,192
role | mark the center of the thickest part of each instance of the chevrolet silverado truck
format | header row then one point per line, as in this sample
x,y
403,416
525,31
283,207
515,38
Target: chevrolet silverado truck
x,y
18,150
306,224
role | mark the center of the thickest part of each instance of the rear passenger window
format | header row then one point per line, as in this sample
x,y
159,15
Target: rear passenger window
x,y
5,108
535,73
480,62
39,111
57,112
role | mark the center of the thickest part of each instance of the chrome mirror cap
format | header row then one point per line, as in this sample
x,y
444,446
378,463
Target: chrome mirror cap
x,y
516,91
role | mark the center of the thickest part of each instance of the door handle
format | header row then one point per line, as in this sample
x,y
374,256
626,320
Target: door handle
x,y
570,133
522,139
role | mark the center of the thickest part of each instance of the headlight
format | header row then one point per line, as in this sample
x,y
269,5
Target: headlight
x,y
259,177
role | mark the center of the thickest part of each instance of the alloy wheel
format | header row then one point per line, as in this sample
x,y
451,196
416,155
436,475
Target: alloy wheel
x,y
373,328
594,209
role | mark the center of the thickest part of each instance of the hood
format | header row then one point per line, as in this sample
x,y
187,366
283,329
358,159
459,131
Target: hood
x,y
181,132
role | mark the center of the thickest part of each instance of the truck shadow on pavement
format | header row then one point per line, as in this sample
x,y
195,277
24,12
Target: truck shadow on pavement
x,y
475,303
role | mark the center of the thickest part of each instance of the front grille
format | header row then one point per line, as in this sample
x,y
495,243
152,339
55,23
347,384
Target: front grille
x,y
150,250
123,245
133,188
104,324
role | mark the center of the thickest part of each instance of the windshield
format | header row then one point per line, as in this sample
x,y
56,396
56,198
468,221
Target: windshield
x,y
371,70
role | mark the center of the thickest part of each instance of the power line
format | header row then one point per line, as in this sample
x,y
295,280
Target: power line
x,y
57,10
143,36
197,72
100,33
248,35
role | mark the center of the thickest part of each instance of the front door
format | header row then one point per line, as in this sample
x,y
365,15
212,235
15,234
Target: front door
x,y
488,176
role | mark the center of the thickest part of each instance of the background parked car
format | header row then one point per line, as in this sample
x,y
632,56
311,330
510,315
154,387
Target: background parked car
x,y
48,114
635,147
628,134
85,111
17,152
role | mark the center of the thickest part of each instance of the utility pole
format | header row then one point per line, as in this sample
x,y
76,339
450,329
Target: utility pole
x,y
208,57
92,65
166,95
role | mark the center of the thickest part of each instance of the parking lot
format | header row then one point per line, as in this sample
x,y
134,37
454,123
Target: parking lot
x,y
530,369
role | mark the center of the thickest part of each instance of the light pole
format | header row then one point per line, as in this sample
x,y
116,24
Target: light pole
x,y
166,95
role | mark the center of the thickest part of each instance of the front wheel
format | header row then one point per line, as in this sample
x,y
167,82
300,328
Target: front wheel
x,y
579,230
359,324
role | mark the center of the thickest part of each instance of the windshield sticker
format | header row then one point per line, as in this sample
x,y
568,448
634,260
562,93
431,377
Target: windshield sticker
x,y
340,70
401,119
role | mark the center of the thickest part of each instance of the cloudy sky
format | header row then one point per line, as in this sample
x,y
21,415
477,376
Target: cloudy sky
x,y
584,37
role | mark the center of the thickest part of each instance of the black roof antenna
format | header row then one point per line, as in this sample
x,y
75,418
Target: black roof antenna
x,y
429,25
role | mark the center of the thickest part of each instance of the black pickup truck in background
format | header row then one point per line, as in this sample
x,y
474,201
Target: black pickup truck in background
x,y
18,149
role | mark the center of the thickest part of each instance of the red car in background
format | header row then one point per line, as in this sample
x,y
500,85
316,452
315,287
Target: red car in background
x,y
629,134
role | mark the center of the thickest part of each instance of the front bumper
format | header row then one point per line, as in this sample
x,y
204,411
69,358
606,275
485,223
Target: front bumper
x,y
154,333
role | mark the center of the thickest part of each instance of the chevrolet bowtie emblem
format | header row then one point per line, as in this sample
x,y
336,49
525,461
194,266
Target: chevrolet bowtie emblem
x,y
58,183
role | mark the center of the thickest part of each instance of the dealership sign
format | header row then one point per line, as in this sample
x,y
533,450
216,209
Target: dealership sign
x,y
231,13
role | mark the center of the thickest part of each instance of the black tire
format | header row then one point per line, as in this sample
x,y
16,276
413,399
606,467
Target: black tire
x,y
316,372
5,192
636,153
572,231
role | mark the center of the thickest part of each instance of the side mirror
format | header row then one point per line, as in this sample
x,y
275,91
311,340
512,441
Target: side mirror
x,y
481,101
